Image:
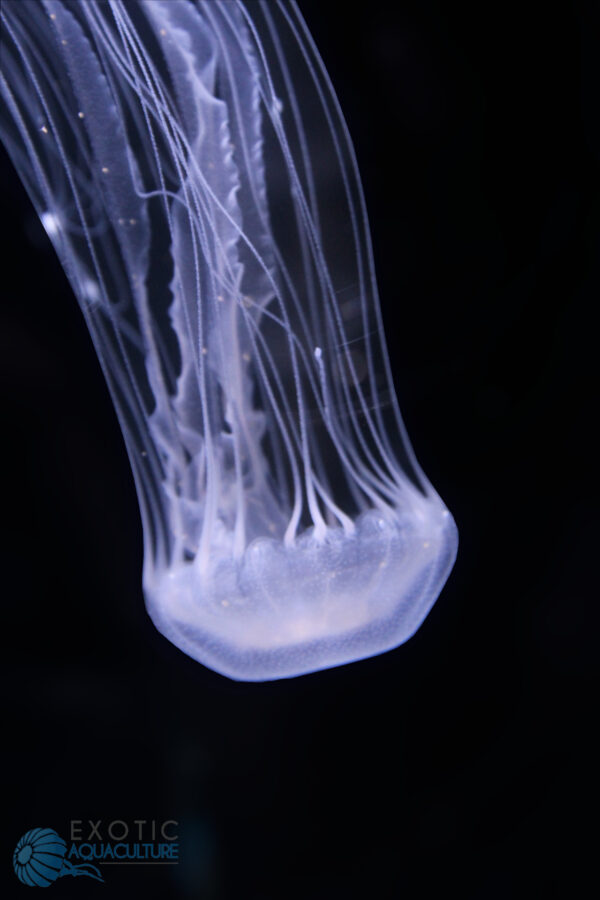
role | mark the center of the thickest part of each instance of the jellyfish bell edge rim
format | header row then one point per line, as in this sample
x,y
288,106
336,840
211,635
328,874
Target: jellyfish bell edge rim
x,y
260,649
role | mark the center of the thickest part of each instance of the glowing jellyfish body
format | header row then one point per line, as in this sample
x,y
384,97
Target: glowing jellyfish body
x,y
193,170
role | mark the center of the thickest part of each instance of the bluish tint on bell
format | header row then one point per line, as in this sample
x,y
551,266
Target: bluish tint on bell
x,y
192,168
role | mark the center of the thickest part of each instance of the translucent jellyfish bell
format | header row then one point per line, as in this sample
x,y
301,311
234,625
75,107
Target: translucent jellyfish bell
x,y
194,172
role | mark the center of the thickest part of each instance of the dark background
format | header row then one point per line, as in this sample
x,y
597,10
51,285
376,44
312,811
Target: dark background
x,y
462,760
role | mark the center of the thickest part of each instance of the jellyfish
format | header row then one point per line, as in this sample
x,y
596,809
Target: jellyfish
x,y
39,859
191,165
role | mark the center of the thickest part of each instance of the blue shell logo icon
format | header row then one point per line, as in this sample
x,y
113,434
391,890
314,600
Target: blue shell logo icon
x,y
39,859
